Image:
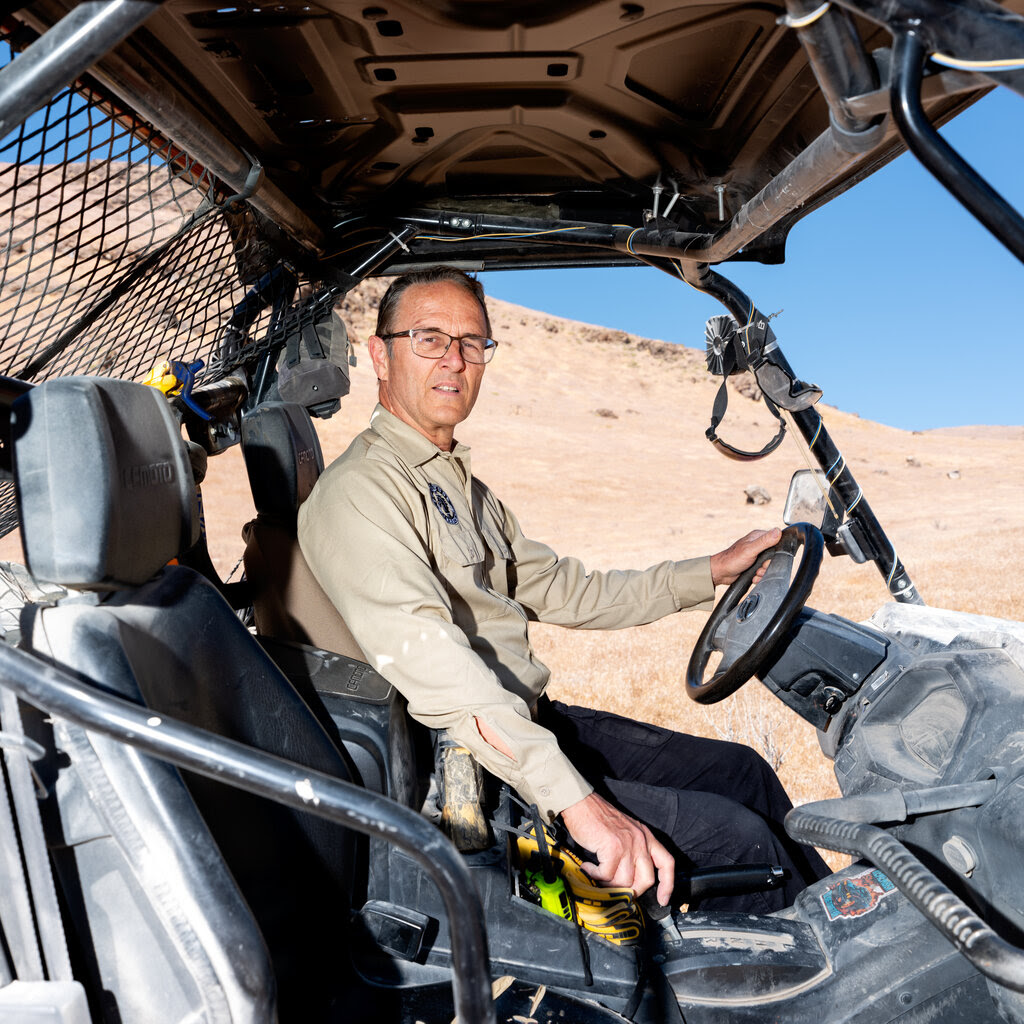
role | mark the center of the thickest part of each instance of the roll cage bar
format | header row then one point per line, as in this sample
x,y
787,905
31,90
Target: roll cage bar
x,y
235,764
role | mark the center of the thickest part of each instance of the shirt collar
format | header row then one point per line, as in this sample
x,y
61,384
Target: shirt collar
x,y
410,444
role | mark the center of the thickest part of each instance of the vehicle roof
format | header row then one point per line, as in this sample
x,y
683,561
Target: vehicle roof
x,y
571,111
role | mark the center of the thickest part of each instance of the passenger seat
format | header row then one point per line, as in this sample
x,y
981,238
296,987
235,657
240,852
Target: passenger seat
x,y
242,901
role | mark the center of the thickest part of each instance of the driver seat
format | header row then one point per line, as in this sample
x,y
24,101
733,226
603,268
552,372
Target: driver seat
x,y
298,624
167,874
304,632
283,461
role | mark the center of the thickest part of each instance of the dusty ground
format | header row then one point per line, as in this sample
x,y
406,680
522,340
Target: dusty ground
x,y
596,440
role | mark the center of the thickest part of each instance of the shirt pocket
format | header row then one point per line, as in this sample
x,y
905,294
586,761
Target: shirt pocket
x,y
498,557
461,546
495,540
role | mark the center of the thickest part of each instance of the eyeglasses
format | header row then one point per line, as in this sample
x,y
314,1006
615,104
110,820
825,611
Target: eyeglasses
x,y
433,344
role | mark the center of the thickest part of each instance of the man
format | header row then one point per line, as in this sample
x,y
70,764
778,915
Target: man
x,y
437,584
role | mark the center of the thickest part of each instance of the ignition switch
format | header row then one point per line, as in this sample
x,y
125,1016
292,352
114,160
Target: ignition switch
x,y
830,699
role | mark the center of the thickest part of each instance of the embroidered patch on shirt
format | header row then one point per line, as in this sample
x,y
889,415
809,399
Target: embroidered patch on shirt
x,y
444,505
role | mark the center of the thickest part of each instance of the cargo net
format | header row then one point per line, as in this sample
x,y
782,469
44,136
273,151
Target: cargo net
x,y
119,251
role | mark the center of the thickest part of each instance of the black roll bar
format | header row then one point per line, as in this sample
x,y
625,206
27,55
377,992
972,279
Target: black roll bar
x,y
970,29
938,157
284,782
870,537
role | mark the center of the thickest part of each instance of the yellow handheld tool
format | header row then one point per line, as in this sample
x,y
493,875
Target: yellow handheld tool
x,y
175,377
569,892
163,377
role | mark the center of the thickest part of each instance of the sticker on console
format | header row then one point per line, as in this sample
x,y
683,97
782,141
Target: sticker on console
x,y
857,895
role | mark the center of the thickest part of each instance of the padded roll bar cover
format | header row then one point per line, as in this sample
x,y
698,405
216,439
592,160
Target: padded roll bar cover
x,y
282,457
106,496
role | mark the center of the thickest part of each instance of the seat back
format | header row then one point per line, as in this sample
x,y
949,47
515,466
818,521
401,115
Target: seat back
x,y
298,622
191,865
284,461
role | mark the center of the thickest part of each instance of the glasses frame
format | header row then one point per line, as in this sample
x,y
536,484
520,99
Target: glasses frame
x,y
490,345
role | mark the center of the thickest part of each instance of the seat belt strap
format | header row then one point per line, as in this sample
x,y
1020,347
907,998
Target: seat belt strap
x,y
718,414
37,855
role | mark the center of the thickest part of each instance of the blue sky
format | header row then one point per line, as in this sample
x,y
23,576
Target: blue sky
x,y
899,305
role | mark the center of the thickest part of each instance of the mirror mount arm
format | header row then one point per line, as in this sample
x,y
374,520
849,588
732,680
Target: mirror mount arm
x,y
862,523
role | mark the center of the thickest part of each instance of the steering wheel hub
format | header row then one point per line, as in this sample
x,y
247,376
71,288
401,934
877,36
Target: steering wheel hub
x,y
747,607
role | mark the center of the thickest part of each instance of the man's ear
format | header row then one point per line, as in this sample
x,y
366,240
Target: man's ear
x,y
379,356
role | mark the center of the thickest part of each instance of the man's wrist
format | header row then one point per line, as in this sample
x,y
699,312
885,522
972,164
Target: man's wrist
x,y
555,800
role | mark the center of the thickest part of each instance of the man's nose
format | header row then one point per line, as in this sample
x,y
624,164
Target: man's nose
x,y
453,357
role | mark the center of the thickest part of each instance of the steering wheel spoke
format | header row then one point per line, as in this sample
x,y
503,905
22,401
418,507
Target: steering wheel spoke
x,y
748,622
719,639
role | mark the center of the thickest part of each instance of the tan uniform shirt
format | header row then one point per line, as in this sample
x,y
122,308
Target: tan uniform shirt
x,y
437,583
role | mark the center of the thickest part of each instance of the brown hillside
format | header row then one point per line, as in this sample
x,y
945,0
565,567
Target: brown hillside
x,y
596,439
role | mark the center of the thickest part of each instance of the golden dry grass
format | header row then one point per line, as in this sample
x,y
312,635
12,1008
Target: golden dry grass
x,y
641,485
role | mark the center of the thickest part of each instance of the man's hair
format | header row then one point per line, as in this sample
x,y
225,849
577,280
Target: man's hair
x,y
435,275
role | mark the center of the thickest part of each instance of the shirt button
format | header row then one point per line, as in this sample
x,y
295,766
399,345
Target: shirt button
x,y
545,791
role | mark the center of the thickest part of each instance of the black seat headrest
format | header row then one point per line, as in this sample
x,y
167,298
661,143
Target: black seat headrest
x,y
106,495
282,457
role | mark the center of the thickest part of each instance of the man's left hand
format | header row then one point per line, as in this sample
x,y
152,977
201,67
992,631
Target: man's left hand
x,y
728,565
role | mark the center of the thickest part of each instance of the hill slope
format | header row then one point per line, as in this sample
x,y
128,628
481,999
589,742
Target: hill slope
x,y
596,440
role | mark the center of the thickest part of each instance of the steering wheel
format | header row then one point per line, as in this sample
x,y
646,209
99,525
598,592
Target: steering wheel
x,y
745,627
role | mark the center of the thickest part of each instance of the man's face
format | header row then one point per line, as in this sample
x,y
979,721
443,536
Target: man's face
x,y
431,395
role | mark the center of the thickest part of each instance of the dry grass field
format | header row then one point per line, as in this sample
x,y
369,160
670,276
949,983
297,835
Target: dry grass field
x,y
596,440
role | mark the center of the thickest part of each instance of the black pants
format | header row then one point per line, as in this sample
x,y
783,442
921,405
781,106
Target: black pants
x,y
710,802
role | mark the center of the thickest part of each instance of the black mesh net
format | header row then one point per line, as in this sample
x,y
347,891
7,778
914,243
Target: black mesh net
x,y
119,250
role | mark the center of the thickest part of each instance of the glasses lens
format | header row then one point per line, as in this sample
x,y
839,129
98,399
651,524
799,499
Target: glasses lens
x,y
433,344
474,350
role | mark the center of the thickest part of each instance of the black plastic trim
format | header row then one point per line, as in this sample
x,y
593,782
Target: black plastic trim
x,y
285,782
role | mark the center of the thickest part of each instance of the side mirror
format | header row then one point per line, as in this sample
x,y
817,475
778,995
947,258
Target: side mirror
x,y
810,500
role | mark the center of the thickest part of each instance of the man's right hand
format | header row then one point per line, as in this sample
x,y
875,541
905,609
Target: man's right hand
x,y
627,853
